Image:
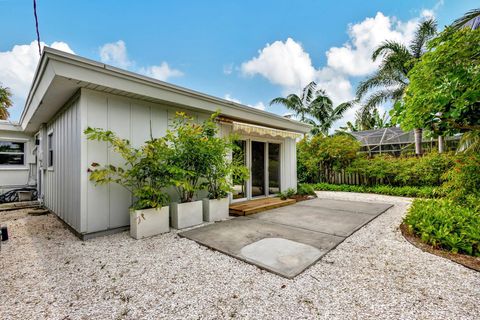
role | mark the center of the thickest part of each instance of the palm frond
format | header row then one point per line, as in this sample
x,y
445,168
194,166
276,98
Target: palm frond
x,y
470,142
425,31
466,18
389,47
376,99
5,102
308,92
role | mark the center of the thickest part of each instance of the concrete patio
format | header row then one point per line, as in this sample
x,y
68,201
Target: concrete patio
x,y
288,240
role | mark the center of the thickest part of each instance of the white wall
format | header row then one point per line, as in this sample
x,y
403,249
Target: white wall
x,y
107,206
11,176
62,180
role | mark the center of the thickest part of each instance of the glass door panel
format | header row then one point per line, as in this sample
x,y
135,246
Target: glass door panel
x,y
273,168
258,169
239,157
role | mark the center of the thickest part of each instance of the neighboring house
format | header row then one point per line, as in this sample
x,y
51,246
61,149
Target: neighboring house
x,y
70,93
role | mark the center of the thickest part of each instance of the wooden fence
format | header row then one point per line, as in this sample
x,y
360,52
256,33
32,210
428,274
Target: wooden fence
x,y
343,177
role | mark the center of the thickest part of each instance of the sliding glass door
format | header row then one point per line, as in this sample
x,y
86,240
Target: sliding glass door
x,y
258,168
273,168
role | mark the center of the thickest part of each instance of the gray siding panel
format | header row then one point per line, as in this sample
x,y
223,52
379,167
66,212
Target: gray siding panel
x,y
62,181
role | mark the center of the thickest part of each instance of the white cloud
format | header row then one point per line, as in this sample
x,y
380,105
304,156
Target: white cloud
x,y
161,72
259,105
354,57
17,67
287,64
282,63
115,53
230,98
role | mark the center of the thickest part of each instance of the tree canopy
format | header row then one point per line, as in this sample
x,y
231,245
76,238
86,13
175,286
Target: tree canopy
x,y
444,90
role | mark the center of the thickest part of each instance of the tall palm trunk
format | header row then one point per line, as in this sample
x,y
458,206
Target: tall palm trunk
x,y
418,141
441,144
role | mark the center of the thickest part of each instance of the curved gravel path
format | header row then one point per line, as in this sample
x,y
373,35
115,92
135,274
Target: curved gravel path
x,y
46,272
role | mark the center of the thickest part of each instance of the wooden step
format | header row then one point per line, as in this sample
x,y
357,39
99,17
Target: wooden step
x,y
258,205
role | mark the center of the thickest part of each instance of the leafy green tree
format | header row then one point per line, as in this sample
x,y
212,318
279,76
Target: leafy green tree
x,y
314,107
444,90
320,154
391,79
5,102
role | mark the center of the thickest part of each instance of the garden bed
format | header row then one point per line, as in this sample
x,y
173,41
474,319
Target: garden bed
x,y
465,260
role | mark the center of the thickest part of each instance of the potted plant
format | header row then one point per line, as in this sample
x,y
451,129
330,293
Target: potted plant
x,y
218,177
145,174
188,160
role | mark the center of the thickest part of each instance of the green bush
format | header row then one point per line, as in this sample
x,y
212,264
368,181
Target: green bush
x,y
305,190
405,191
318,153
145,172
287,194
463,181
445,224
404,171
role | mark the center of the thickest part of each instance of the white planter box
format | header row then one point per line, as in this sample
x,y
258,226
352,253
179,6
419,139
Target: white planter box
x,y
149,222
184,215
215,209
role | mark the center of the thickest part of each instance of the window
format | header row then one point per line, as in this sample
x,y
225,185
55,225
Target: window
x,y
12,153
50,149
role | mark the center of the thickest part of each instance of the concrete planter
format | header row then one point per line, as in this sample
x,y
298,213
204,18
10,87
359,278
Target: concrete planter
x,y
215,209
149,222
187,214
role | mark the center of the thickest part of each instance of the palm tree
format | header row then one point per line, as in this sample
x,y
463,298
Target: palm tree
x,y
391,79
314,107
367,121
471,18
5,102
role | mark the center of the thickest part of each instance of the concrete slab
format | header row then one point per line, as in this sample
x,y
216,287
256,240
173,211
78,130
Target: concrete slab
x,y
302,233
232,235
282,256
331,221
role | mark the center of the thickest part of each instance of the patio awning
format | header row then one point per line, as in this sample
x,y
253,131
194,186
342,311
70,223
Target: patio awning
x,y
252,129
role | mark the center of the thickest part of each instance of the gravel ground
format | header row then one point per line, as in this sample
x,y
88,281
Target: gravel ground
x,y
46,272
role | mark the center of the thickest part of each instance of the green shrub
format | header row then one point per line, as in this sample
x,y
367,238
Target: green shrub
x,y
463,181
145,171
318,153
403,171
405,191
305,190
445,224
287,194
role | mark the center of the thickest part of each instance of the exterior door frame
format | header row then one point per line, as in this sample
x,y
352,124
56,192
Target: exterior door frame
x,y
248,150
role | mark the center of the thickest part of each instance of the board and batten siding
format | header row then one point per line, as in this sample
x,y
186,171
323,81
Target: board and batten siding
x,y
62,180
107,206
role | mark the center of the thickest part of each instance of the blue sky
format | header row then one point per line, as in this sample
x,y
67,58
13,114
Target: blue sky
x,y
247,51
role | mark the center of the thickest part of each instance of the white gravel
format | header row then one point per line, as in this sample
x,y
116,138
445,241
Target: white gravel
x,y
47,273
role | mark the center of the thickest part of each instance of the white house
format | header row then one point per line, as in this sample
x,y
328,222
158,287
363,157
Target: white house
x,y
70,93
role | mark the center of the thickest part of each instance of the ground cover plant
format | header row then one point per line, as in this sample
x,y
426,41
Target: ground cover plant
x,y
403,191
446,224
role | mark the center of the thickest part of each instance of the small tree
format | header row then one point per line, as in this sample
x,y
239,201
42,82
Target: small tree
x,y
145,172
320,155
199,159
